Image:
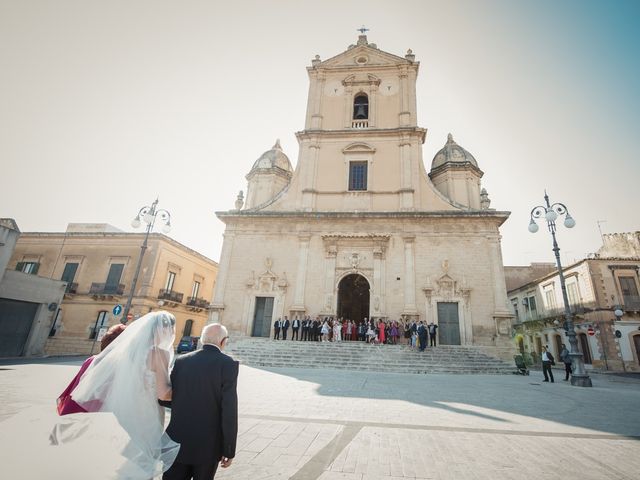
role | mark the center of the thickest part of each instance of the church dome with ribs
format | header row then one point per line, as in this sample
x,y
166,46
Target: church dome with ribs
x,y
273,158
452,153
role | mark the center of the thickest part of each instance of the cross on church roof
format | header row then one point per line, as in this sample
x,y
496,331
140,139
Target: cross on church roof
x,y
362,30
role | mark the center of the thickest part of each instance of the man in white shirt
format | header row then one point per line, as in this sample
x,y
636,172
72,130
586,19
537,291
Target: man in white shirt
x,y
547,361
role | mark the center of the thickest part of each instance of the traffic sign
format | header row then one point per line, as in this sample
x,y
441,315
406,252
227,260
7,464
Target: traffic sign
x,y
129,316
591,331
117,310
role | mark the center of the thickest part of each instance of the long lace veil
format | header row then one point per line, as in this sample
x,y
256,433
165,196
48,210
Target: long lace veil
x,y
127,378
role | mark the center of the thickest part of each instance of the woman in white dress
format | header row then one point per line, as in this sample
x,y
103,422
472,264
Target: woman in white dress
x,y
125,381
325,331
337,331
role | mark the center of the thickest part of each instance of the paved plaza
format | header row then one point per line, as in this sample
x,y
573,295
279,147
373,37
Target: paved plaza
x,y
329,424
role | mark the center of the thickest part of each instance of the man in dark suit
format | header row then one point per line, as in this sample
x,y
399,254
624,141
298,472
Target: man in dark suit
x,y
276,329
204,408
295,327
285,326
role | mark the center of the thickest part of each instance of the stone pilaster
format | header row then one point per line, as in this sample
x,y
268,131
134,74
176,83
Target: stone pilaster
x,y
301,276
217,306
409,276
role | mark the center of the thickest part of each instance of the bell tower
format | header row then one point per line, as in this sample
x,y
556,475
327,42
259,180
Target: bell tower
x,y
361,148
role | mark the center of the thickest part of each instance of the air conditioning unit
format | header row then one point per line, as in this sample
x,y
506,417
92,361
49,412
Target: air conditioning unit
x,y
525,301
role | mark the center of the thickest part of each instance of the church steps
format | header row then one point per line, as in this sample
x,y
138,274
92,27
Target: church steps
x,y
359,356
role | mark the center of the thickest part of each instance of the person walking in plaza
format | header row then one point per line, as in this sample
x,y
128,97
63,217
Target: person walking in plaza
x,y
204,408
295,328
566,359
547,362
125,380
285,327
276,329
433,330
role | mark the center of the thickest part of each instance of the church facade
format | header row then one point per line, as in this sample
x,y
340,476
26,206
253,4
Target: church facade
x,y
360,228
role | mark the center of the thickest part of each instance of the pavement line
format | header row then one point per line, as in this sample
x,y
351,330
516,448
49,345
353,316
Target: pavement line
x,y
438,428
317,464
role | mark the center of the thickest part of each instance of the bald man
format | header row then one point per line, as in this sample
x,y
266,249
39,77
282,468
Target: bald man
x,y
204,408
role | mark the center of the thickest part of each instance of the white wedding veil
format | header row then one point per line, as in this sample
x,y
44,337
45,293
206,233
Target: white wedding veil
x,y
126,379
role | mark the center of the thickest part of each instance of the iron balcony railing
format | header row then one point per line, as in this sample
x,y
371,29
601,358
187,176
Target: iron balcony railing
x,y
71,288
197,302
170,295
106,289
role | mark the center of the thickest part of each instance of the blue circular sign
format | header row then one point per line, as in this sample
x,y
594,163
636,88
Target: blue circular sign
x,y
117,310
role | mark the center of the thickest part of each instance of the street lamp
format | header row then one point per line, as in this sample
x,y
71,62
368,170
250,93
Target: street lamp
x,y
551,214
148,214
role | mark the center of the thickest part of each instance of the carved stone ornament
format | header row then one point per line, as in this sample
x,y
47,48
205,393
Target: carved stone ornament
x,y
327,302
267,281
446,287
355,261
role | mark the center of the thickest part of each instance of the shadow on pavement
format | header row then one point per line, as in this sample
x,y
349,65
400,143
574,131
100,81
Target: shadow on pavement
x,y
607,407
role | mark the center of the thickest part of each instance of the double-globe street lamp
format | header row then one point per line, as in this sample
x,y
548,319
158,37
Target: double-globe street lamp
x,y
148,215
551,212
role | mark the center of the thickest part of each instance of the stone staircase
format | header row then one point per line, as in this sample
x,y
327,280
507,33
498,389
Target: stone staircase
x,y
262,352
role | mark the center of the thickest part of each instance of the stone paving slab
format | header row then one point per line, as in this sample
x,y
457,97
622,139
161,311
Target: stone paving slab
x,y
330,425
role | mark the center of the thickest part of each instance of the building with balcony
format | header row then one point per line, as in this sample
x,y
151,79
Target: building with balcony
x,y
596,286
97,263
27,302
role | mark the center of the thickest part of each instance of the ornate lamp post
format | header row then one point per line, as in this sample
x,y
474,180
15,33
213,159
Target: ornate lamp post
x,y
148,214
550,212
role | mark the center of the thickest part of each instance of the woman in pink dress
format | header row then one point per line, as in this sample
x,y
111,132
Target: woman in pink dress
x,y
381,335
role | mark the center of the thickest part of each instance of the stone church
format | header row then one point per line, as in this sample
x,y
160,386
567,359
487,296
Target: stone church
x,y
359,228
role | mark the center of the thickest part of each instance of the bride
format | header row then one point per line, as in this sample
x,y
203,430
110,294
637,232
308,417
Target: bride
x,y
125,423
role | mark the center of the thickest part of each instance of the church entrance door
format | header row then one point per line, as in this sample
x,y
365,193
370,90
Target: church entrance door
x,y
449,323
353,297
262,317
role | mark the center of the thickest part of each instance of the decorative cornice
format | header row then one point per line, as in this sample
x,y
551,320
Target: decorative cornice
x,y
332,237
415,131
500,215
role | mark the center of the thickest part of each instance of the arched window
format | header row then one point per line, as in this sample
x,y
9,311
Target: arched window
x,y
361,107
188,325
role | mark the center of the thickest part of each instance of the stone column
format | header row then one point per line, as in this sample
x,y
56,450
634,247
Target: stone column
x,y
217,306
301,276
316,117
329,279
409,276
497,273
308,190
348,106
378,300
406,175
405,115
373,105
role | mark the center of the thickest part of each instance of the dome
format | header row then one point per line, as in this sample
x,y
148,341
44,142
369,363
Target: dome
x,y
452,153
273,158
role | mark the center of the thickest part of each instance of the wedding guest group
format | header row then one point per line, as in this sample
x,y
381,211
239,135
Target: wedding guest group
x,y
374,331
